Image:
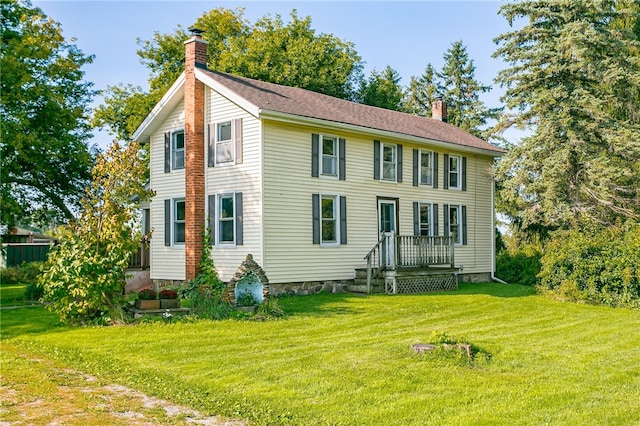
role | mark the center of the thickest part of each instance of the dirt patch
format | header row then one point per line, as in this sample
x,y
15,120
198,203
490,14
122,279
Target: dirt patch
x,y
58,396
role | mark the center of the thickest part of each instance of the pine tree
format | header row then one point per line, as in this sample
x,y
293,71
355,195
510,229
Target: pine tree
x,y
382,89
572,81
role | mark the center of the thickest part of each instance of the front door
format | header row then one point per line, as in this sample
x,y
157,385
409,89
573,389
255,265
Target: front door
x,y
387,227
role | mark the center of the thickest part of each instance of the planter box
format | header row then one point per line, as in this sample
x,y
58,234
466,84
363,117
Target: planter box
x,y
169,303
147,304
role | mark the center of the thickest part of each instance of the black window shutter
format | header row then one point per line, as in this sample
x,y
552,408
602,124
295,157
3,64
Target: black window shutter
x,y
167,222
167,152
445,184
376,159
343,220
416,168
342,160
315,215
239,219
464,225
399,152
212,218
434,210
445,210
212,145
315,155
464,173
416,217
238,136
435,170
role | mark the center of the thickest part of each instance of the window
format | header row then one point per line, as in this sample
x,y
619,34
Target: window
x,y
328,224
426,168
453,172
179,216
389,162
425,219
329,219
226,219
329,156
177,150
224,143
455,224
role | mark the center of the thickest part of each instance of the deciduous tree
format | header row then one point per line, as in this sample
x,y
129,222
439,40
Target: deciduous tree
x,y
46,160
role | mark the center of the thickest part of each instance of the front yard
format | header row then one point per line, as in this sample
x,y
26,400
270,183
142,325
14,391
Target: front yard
x,y
346,359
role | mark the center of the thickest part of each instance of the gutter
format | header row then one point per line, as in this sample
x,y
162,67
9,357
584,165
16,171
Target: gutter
x,y
493,236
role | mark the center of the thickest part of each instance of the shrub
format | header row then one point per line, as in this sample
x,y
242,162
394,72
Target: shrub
x,y
33,292
147,294
594,265
519,266
168,294
25,273
270,308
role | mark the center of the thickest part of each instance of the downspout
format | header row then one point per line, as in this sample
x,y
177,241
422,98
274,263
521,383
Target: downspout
x,y
493,235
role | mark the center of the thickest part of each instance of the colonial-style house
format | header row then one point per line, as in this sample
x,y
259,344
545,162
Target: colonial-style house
x,y
314,187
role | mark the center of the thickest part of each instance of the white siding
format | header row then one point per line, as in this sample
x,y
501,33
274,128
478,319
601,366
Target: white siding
x,y
290,255
166,262
245,178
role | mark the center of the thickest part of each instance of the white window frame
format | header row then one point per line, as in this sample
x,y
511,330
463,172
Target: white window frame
x,y
334,157
175,221
175,150
220,142
422,152
219,219
458,225
430,223
335,219
394,147
457,172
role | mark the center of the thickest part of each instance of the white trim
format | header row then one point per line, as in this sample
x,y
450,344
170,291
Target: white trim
x,y
163,108
227,93
174,201
374,133
458,208
231,141
430,204
336,139
493,236
395,161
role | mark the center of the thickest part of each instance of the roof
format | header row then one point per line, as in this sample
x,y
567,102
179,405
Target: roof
x,y
295,102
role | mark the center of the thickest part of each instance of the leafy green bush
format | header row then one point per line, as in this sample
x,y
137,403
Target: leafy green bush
x,y
25,273
594,264
33,292
270,308
519,266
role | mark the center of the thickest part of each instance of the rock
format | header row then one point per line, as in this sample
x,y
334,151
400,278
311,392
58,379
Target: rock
x,y
420,348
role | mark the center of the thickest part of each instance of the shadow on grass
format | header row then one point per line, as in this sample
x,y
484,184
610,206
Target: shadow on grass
x,y
29,320
493,289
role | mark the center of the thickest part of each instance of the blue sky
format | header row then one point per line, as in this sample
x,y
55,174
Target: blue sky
x,y
406,35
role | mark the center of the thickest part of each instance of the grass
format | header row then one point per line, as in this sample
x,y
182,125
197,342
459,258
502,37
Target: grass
x,y
346,359
12,294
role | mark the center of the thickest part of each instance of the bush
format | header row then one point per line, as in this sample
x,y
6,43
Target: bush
x,y
33,292
594,265
270,308
23,274
147,294
168,294
519,266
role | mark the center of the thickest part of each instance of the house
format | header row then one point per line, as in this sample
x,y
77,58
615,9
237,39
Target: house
x,y
23,245
308,183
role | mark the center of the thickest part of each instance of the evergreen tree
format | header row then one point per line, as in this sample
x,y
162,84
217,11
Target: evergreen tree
x,y
382,89
457,85
572,81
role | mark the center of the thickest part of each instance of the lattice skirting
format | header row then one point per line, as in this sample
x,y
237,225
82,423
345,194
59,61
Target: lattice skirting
x,y
423,283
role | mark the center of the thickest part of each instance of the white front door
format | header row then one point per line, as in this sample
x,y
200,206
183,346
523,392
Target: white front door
x,y
387,224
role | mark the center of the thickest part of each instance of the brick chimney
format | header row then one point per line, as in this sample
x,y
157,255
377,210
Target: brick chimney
x,y
439,110
194,122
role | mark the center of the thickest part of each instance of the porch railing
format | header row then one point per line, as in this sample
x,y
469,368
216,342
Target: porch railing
x,y
140,258
399,251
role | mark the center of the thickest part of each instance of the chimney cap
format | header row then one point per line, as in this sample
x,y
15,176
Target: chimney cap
x,y
197,32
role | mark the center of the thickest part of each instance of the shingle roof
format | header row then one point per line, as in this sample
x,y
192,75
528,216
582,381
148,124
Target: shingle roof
x,y
305,103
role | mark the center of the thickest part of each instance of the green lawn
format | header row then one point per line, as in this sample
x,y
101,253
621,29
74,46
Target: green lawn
x,y
12,294
346,359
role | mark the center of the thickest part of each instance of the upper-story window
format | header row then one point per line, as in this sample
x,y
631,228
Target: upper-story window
x,y
426,168
454,172
329,156
224,143
177,150
387,161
